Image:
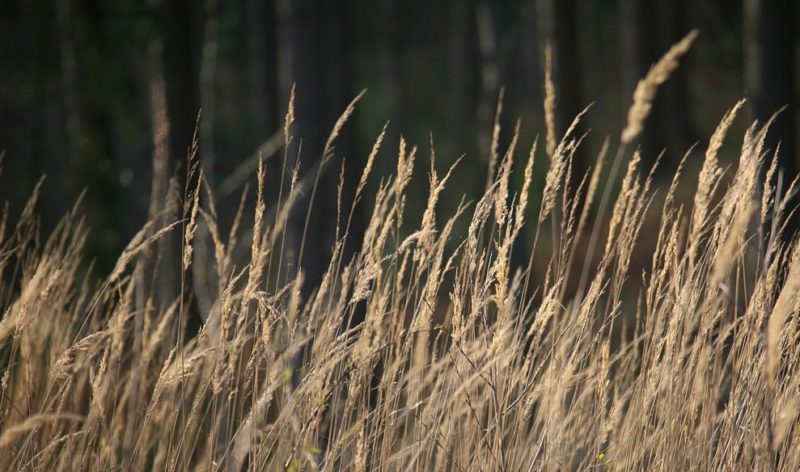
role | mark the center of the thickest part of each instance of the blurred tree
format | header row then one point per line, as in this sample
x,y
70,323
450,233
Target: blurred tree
x,y
207,85
29,66
87,91
558,27
175,103
262,62
465,88
531,59
265,104
180,27
672,102
770,73
638,53
314,46
489,30
390,49
648,29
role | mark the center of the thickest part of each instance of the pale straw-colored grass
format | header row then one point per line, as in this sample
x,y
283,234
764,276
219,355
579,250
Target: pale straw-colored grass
x,y
429,349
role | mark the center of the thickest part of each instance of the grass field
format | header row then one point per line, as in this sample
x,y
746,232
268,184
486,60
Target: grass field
x,y
463,360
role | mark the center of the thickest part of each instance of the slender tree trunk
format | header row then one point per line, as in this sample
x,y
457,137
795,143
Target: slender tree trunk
x,y
84,53
769,83
204,280
262,41
488,37
393,22
672,104
638,36
181,68
532,72
208,74
303,41
558,26
175,88
314,40
465,86
341,92
39,38
769,73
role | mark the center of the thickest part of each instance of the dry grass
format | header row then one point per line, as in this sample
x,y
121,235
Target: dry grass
x,y
462,362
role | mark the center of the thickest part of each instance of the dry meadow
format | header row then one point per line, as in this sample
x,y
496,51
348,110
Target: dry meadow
x,y
429,349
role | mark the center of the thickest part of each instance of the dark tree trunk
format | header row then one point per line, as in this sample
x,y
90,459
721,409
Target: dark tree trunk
x,y
638,37
487,21
394,21
532,73
769,73
558,26
175,87
180,23
464,88
207,86
314,38
85,57
263,68
672,104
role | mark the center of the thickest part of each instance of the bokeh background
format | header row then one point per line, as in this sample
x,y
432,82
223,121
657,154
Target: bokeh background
x,y
96,93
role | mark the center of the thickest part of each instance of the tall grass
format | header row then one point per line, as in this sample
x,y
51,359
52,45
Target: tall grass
x,y
463,361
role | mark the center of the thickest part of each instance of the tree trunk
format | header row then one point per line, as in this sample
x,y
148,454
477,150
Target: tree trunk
x,y
262,41
672,104
637,34
558,26
769,73
391,46
314,44
175,88
464,87
532,72
486,22
181,69
85,54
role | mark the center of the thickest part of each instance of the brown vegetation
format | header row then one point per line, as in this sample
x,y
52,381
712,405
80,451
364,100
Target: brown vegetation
x,y
462,361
